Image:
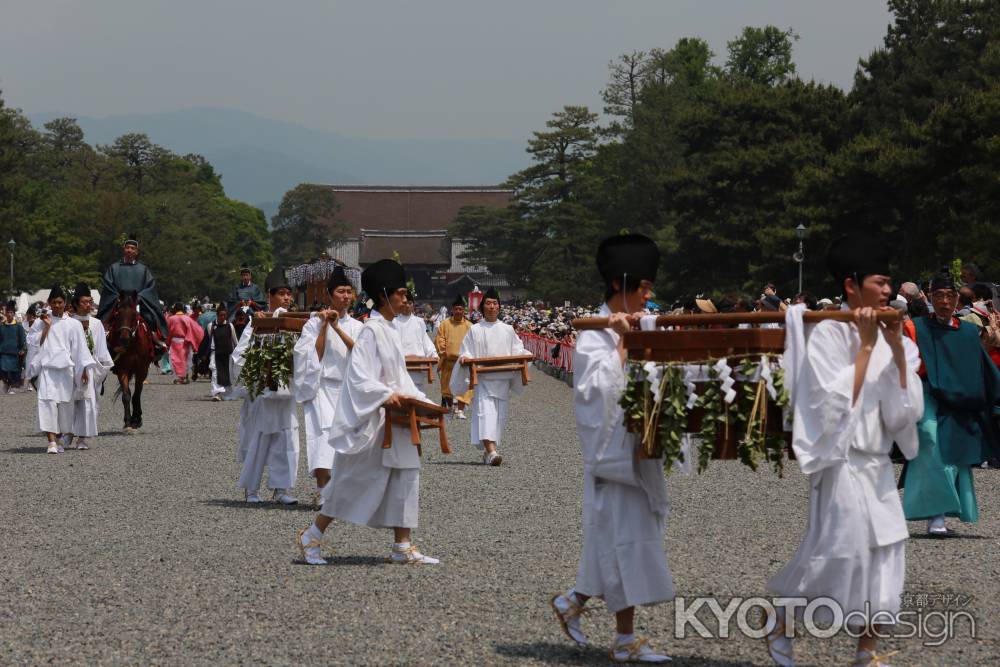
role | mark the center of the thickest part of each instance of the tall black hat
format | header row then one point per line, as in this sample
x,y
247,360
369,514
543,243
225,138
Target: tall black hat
x,y
491,293
338,279
276,280
856,255
943,279
82,289
56,293
459,301
12,305
629,256
383,277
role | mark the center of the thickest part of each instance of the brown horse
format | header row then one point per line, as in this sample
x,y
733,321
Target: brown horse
x,y
132,349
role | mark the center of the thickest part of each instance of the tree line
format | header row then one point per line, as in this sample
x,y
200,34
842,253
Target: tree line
x,y
719,163
69,205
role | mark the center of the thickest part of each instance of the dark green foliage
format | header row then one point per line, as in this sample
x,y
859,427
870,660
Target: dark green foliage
x,y
301,233
720,164
69,205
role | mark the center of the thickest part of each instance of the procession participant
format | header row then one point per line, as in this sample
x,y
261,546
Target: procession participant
x,y
416,343
131,275
247,293
371,485
185,337
241,318
854,394
217,346
625,503
62,365
448,343
961,387
491,400
85,405
195,312
269,427
32,334
13,348
321,356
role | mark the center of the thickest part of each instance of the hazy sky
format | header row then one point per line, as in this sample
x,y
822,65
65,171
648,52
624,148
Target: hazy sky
x,y
415,69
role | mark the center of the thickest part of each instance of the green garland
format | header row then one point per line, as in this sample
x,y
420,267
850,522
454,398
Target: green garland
x,y
268,362
661,417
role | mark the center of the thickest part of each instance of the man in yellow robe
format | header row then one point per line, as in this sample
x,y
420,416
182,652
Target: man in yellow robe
x,y
450,334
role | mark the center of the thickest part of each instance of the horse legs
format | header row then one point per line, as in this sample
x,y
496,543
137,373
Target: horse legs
x,y
140,379
126,399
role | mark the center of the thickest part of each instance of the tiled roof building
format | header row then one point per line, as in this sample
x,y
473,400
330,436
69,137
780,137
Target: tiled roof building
x,y
415,222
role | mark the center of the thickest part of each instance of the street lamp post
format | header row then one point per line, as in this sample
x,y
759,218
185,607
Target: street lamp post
x,y
11,245
800,256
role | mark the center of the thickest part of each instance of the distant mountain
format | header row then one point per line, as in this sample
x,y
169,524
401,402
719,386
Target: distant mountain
x,y
260,159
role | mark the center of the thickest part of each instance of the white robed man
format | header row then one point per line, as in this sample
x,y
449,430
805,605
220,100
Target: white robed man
x,y
269,427
416,343
321,356
86,407
62,364
491,401
855,390
625,503
372,485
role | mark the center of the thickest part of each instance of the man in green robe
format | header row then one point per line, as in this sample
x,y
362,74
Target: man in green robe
x,y
247,293
131,275
13,348
961,391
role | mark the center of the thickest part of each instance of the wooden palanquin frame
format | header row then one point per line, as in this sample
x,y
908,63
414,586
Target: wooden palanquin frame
x,y
516,362
422,364
416,415
707,337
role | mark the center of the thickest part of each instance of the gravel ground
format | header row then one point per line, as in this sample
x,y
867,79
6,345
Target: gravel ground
x,y
141,551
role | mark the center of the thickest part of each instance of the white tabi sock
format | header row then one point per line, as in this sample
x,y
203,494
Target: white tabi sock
x,y
314,533
399,546
621,639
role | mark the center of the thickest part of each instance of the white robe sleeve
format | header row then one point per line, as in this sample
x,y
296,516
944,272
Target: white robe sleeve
x,y
825,418
236,360
460,380
900,408
359,412
430,352
307,364
33,366
599,381
83,360
101,353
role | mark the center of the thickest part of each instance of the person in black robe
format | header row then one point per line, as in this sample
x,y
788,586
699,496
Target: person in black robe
x,y
216,348
131,275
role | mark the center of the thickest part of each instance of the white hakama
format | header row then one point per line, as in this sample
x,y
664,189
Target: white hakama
x,y
85,405
416,343
489,416
853,550
269,431
59,362
317,383
625,502
372,486
491,399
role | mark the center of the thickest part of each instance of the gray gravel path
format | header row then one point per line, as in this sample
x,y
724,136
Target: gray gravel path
x,y
140,551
